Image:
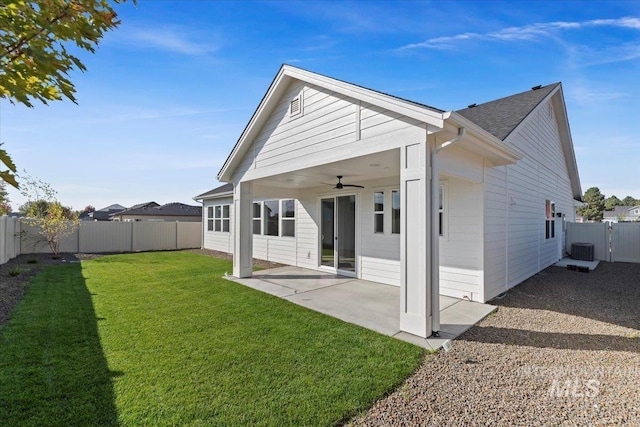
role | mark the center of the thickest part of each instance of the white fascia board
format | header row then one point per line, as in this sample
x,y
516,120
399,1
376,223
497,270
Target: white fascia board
x,y
214,196
488,141
406,108
280,83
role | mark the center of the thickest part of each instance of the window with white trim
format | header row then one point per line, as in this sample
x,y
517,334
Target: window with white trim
x,y
395,211
288,218
378,211
210,218
550,219
271,217
257,218
221,218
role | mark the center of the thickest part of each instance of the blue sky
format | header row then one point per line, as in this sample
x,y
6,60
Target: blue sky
x,y
167,94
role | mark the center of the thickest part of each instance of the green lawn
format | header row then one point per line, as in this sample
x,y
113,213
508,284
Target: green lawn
x,y
162,339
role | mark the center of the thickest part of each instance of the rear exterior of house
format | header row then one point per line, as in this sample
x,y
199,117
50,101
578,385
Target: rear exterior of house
x,y
506,184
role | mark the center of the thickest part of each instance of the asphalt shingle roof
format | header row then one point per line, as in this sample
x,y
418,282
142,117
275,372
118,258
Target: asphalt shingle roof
x,y
218,190
170,209
502,116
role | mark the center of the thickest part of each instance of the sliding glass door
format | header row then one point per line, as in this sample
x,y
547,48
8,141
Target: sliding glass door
x,y
338,233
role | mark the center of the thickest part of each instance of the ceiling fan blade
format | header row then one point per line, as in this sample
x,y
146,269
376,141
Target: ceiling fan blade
x,y
353,185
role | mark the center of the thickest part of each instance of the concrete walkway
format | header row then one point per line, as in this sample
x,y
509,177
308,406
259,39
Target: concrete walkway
x,y
368,304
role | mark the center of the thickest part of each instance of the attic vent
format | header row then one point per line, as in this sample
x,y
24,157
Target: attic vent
x,y
536,87
295,106
472,105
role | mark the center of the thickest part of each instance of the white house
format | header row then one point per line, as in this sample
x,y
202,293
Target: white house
x,y
505,181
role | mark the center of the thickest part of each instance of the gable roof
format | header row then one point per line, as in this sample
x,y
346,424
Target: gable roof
x,y
279,85
223,190
501,116
170,209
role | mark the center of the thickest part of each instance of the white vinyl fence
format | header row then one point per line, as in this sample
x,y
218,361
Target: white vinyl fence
x,y
9,238
22,237
616,242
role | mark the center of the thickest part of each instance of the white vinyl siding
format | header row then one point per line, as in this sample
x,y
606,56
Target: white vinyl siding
x,y
515,244
218,241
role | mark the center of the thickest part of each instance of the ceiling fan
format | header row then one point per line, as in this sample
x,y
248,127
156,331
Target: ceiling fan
x,y
340,185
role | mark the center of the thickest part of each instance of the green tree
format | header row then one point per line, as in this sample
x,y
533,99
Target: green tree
x,y
36,41
52,220
611,202
5,207
594,208
629,201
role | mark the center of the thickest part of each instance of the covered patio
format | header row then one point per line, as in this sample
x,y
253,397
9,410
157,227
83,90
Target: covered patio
x,y
368,304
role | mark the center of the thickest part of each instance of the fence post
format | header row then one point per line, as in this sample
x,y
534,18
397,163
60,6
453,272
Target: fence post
x,y
3,239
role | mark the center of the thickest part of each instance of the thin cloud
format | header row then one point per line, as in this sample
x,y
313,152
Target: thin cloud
x,y
172,40
524,33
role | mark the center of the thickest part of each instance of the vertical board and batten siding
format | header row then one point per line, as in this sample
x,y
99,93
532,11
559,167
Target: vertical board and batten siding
x,y
461,258
325,131
520,191
9,238
215,240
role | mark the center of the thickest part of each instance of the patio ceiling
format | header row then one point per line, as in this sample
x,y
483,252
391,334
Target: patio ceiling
x,y
355,170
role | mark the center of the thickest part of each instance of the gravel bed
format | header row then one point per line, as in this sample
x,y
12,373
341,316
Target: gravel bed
x,y
223,255
563,349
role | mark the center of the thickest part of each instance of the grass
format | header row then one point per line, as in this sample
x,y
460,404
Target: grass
x,y
15,272
161,339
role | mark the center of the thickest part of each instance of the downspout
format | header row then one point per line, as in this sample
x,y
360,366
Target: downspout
x,y
435,231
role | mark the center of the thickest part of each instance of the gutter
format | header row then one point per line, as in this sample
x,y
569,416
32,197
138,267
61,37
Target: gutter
x,y
435,232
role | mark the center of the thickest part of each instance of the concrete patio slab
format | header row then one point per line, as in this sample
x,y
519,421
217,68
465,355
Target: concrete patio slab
x,y
371,305
564,262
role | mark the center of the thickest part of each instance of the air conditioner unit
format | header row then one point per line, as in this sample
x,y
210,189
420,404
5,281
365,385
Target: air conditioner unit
x,y
582,251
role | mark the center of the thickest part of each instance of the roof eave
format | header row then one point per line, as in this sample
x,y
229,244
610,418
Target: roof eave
x,y
279,85
499,152
213,196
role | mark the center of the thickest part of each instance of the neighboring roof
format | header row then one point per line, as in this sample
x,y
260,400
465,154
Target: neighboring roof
x,y
170,209
114,207
502,116
620,210
223,190
144,205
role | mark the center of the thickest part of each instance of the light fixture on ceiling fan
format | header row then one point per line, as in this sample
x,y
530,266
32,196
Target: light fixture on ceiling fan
x,y
340,185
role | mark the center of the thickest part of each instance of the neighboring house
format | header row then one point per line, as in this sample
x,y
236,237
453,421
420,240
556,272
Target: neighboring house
x,y
622,214
505,180
103,214
151,211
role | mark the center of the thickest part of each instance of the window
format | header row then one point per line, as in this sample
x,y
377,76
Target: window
x,y
210,218
271,217
288,218
441,225
395,212
378,212
550,223
257,218
220,218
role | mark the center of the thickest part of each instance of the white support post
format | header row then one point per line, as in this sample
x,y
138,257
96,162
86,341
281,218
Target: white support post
x,y
243,235
415,220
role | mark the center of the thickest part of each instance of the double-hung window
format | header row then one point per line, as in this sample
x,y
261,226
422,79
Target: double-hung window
x,y
288,218
395,212
221,218
271,218
210,218
378,212
550,223
257,218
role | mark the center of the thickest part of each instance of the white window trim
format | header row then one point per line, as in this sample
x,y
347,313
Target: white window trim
x,y
283,219
253,219
382,212
210,209
221,218
391,212
549,221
